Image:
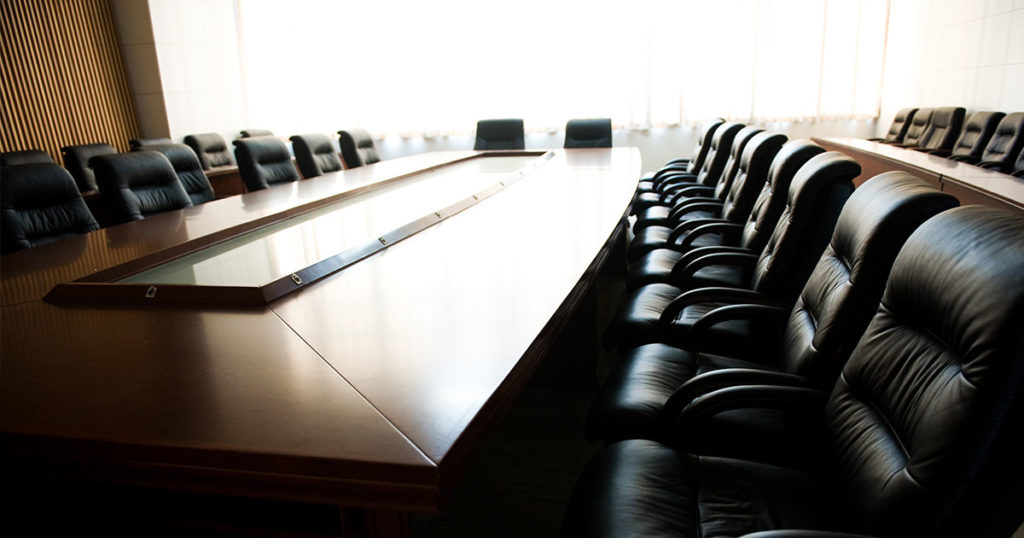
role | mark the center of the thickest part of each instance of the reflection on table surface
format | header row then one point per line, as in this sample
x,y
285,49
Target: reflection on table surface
x,y
264,255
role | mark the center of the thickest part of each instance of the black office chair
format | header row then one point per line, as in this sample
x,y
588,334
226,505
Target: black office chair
x,y
1018,165
357,148
189,171
751,236
41,204
919,437
978,130
652,383
211,149
28,156
141,143
665,312
315,154
253,133
898,128
689,165
588,133
499,134
1006,144
138,184
943,129
76,160
263,162
918,124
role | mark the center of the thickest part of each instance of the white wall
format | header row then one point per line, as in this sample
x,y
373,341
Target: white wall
x,y
954,53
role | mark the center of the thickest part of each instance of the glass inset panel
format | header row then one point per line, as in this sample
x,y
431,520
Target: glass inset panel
x,y
280,249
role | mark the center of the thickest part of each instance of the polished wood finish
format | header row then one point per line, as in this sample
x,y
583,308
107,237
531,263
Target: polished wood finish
x,y
970,184
62,78
369,388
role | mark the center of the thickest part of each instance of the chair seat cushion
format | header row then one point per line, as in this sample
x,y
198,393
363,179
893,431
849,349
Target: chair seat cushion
x,y
630,402
646,240
642,488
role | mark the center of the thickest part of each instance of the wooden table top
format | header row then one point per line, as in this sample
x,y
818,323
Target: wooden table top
x,y
364,389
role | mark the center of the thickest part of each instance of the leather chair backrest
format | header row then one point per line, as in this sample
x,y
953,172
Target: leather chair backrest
x,y
264,161
190,172
499,134
40,204
816,196
924,424
943,129
253,133
918,125
315,154
1018,165
753,173
138,184
588,133
843,291
77,161
28,156
772,198
357,148
211,149
899,126
978,130
1007,141
707,132
732,166
139,143
713,167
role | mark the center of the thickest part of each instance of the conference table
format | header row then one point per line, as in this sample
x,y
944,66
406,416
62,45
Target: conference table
x,y
347,339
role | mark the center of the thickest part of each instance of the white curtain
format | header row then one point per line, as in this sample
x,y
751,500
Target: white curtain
x,y
428,68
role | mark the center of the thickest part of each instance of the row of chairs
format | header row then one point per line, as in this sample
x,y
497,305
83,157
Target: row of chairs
x,y
798,354
503,134
993,140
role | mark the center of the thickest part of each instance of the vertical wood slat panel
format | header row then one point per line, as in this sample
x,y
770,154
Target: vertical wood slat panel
x,y
62,79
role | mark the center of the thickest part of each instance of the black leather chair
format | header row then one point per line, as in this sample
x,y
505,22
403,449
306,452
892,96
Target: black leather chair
x,y
689,165
263,162
654,382
1006,144
943,129
76,160
138,184
28,156
978,130
41,204
140,143
657,214
253,133
695,239
732,205
898,127
918,124
357,148
315,154
211,149
708,174
189,171
664,313
499,134
589,133
1018,165
920,435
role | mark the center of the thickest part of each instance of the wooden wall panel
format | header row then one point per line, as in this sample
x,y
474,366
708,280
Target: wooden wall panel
x,y
62,79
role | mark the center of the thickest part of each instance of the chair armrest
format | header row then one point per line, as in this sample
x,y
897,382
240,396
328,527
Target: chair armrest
x,y
800,533
766,312
792,399
963,159
709,382
740,259
874,139
704,295
683,228
670,168
696,253
687,190
940,152
730,233
675,179
689,205
995,165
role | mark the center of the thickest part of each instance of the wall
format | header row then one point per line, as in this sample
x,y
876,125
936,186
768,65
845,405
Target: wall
x,y
954,53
